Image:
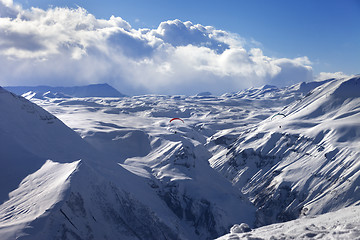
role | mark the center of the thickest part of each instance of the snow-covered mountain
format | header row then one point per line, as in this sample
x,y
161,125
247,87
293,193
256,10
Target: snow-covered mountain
x,y
41,92
29,136
61,186
279,96
304,162
253,158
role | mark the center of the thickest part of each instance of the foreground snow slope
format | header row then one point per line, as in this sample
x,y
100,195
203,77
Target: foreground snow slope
x,y
36,194
305,163
29,136
342,224
77,201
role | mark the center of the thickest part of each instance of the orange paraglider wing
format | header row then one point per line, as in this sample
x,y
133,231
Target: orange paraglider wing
x,y
176,119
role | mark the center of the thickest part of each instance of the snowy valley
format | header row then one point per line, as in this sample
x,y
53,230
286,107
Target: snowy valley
x,y
260,162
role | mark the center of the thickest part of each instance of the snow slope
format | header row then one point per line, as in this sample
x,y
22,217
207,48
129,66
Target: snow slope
x,y
63,186
36,194
342,224
131,173
174,164
303,164
29,136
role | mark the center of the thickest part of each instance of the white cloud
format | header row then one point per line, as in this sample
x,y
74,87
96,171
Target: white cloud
x,y
292,71
62,46
327,75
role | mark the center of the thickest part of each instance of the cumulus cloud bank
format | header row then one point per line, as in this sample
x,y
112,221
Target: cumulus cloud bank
x,y
62,46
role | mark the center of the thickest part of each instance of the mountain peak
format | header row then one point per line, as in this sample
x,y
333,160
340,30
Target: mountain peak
x,y
268,87
92,90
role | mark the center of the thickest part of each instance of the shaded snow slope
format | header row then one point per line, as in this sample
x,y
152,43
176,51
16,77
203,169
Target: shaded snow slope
x,y
36,195
305,163
82,200
180,174
99,204
29,136
342,224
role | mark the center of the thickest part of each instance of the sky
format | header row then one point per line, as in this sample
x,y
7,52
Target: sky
x,y
177,47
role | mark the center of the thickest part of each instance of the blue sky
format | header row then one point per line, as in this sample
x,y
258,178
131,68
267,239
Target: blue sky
x,y
327,31
321,35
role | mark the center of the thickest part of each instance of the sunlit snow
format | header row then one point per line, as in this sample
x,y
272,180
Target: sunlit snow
x,y
235,164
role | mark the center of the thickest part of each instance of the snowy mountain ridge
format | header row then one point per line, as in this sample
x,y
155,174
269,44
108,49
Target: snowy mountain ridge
x,y
304,162
41,92
285,95
260,156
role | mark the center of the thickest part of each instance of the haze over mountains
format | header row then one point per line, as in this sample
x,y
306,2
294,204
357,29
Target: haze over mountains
x,y
105,167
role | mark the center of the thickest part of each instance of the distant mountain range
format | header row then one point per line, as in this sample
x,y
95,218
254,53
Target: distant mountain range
x,y
40,92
